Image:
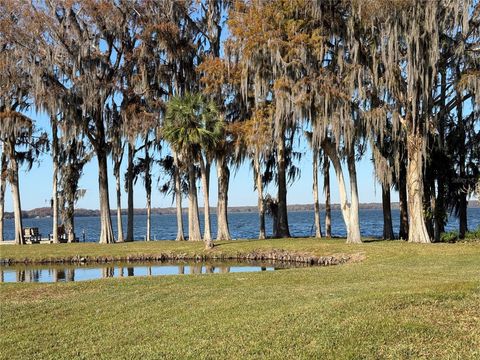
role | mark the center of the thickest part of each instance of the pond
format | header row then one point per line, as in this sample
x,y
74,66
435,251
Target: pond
x,y
69,273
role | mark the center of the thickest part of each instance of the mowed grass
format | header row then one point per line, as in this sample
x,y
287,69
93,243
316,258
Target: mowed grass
x,y
404,301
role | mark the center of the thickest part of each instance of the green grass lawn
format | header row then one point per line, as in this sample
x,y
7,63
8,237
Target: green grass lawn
x,y
403,301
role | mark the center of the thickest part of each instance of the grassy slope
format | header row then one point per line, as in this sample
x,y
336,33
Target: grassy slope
x,y
92,250
403,301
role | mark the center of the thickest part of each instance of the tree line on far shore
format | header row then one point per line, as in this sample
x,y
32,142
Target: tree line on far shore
x,y
195,86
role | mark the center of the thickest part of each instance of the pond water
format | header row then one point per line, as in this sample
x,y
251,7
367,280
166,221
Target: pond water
x,y
68,273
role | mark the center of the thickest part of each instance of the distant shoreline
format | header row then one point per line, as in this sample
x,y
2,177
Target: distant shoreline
x,y
47,212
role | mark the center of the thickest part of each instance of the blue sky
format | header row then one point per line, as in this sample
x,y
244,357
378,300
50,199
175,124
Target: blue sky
x,y
36,185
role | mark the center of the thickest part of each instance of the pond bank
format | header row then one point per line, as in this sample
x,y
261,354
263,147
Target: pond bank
x,y
258,255
302,250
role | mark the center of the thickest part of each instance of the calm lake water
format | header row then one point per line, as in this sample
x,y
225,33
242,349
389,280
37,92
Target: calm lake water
x,y
242,225
68,273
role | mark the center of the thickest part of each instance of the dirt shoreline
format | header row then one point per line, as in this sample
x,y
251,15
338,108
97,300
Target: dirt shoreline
x,y
271,255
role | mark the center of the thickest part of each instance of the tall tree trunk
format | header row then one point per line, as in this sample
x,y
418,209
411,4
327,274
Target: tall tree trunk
x,y
193,216
223,175
129,180
178,199
463,203
435,231
214,31
428,203
344,206
149,217
55,238
3,186
417,231
119,207
55,181
148,189
402,194
205,176
283,229
70,222
275,232
354,235
349,211
316,204
440,211
326,190
387,214
14,185
261,202
106,232
462,216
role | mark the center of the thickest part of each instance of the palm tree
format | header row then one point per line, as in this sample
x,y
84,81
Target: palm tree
x,y
192,127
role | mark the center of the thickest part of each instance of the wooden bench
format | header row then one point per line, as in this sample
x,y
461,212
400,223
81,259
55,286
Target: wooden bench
x,y
32,235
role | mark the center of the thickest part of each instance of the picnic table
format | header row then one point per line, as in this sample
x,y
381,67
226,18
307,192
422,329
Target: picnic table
x,y
32,235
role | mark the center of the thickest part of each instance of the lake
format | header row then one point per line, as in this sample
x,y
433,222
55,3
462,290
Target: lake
x,y
242,225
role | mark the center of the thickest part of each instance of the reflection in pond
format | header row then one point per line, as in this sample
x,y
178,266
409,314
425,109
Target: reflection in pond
x,y
196,269
59,275
21,276
224,269
69,273
108,272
